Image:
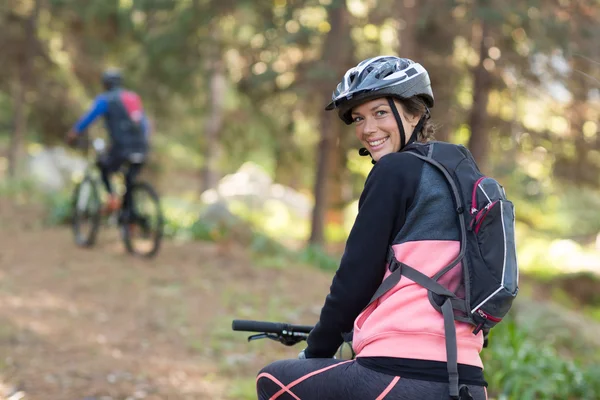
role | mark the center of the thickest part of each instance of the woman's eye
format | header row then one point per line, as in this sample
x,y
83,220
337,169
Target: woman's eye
x,y
357,119
380,113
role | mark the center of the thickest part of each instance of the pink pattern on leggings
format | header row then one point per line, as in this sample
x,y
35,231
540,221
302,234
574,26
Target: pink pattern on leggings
x,y
389,388
281,385
286,389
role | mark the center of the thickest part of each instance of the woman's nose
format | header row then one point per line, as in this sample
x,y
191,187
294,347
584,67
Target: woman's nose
x,y
370,126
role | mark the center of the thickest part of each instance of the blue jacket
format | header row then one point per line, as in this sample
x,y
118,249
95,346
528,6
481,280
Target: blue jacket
x,y
124,117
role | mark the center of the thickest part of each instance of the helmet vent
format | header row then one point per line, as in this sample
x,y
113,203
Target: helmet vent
x,y
411,72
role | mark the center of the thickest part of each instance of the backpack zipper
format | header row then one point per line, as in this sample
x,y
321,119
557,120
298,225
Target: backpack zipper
x,y
486,209
474,195
485,315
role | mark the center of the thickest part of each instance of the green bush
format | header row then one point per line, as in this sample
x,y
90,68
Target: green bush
x,y
18,189
59,208
316,256
264,245
521,364
201,230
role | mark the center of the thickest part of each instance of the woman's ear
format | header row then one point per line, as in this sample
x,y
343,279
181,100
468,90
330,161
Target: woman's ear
x,y
413,120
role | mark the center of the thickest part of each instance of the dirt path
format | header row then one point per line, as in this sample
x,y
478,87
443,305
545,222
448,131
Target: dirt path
x,y
99,324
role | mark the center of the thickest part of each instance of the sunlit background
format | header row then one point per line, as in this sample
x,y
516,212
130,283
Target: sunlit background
x,y
259,185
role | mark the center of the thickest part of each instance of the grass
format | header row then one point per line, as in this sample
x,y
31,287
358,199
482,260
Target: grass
x,y
7,332
243,389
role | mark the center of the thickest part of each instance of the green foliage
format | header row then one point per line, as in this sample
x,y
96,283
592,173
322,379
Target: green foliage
x,y
18,189
266,245
200,230
316,256
243,389
522,363
273,82
60,206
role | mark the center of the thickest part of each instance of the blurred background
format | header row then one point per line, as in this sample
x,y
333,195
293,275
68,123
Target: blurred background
x,y
259,185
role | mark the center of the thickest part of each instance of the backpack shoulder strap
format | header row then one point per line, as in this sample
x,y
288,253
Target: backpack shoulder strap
x,y
449,161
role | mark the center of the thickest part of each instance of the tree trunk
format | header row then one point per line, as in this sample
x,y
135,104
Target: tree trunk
x,y
479,140
15,149
286,162
317,235
409,45
337,166
585,172
213,126
19,89
337,51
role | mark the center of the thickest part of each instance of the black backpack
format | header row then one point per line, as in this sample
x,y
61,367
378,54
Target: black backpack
x,y
487,251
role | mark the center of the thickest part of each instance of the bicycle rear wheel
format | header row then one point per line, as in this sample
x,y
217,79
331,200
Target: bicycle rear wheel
x,y
86,212
142,221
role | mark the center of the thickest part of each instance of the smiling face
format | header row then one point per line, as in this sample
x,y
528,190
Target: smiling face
x,y
376,127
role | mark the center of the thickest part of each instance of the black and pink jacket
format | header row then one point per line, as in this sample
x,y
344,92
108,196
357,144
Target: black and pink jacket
x,y
405,204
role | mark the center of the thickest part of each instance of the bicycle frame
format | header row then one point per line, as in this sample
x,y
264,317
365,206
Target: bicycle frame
x,y
92,154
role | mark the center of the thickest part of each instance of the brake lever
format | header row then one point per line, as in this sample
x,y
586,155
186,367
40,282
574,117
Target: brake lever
x,y
284,339
263,336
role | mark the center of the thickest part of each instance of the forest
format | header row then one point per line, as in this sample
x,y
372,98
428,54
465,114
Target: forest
x,y
228,84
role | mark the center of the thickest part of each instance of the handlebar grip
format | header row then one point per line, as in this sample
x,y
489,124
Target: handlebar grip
x,y
301,328
267,327
256,326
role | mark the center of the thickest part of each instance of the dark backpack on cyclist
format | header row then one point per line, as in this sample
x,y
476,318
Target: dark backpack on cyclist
x,y
487,252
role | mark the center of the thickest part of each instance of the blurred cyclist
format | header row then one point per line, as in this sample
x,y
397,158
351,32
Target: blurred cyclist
x,y
128,129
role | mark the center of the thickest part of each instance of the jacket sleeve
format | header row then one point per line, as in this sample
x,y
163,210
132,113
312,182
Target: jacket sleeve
x,y
387,195
98,108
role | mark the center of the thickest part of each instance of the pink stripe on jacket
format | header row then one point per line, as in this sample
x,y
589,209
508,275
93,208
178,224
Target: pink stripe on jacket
x,y
404,324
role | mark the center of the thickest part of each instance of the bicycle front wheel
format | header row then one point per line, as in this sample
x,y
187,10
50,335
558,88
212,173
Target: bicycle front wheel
x,y
142,221
86,212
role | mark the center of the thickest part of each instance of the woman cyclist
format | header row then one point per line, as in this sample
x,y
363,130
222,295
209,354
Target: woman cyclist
x,y
398,339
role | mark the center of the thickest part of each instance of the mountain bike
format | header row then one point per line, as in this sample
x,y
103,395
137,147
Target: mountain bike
x,y
287,334
140,220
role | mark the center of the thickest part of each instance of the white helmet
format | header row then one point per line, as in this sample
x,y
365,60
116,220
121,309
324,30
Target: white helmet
x,y
383,76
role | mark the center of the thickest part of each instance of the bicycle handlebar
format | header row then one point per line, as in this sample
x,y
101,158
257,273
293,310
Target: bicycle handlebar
x,y
287,334
269,327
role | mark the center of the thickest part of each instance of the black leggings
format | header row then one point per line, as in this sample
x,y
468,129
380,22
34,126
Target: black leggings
x,y
326,378
110,163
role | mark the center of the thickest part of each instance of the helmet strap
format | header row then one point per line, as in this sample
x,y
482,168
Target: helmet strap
x,y
398,121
